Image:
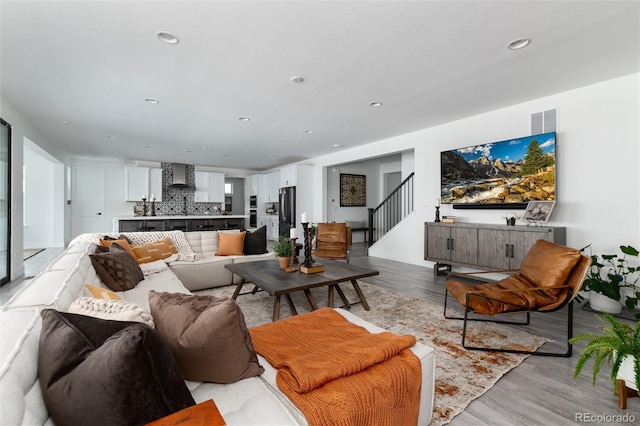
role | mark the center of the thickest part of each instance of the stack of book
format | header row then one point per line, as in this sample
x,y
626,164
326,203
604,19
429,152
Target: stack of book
x,y
448,219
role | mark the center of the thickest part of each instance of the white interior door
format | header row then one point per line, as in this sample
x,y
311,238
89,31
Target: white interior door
x,y
88,201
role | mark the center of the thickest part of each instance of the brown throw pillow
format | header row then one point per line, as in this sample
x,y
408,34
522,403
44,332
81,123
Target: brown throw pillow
x,y
117,269
207,336
157,250
230,244
121,242
98,372
256,242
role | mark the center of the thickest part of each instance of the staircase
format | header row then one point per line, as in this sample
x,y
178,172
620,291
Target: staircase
x,y
391,211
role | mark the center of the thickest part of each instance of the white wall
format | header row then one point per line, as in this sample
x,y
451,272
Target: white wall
x,y
22,130
598,163
38,200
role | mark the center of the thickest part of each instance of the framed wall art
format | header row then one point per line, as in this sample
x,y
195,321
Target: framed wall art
x,y
538,211
353,190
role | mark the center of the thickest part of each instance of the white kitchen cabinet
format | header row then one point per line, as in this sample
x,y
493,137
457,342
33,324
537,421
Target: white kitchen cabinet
x,y
273,187
136,183
139,181
254,184
288,176
155,182
272,227
209,187
271,223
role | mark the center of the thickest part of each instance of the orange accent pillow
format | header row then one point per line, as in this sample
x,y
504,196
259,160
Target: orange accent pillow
x,y
102,293
231,244
157,250
122,243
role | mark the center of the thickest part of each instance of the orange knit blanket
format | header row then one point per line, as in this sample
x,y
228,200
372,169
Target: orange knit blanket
x,y
337,373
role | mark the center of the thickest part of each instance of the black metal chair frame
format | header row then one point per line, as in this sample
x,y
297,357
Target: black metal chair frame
x,y
568,301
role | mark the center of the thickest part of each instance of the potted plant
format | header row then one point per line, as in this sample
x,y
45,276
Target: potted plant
x,y
607,276
283,250
620,345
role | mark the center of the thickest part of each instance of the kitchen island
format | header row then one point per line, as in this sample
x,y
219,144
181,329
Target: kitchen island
x,y
184,223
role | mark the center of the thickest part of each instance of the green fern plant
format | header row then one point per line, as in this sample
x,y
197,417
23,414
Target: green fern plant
x,y
282,247
619,341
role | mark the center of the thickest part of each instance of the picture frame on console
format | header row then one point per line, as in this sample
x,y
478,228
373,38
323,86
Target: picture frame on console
x,y
538,211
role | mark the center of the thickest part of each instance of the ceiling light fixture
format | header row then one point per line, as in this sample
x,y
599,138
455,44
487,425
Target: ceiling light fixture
x,y
151,101
244,119
337,145
308,131
166,37
297,79
375,104
66,122
203,147
111,137
518,44
146,146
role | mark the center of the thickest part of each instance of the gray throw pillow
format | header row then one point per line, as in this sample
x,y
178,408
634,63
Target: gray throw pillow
x,y
100,372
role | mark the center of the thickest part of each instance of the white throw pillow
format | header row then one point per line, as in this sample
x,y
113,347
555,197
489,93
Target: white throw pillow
x,y
117,310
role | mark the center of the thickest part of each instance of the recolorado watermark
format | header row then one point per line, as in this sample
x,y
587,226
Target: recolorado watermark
x,y
604,418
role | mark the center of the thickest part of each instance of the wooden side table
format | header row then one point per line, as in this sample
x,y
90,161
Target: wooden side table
x,y
204,414
624,392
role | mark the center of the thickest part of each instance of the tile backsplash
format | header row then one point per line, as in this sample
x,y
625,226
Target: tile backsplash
x,y
174,201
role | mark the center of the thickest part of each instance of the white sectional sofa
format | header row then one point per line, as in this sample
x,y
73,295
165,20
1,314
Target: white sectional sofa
x,y
252,401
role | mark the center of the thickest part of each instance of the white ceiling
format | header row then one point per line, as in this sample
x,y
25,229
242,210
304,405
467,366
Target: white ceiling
x,y
92,63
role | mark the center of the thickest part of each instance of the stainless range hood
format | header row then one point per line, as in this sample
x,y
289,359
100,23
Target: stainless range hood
x,y
179,177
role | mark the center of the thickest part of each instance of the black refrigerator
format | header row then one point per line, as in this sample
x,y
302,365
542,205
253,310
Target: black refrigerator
x,y
287,210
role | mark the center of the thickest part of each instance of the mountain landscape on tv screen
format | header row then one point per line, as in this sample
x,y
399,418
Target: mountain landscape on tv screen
x,y
513,171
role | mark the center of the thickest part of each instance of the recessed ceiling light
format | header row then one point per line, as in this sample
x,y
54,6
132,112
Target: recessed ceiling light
x,y
152,101
243,119
308,131
66,122
337,145
375,104
297,79
112,137
146,146
166,37
519,43
203,147
187,150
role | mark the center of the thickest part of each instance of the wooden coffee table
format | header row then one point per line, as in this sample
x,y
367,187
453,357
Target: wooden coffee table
x,y
268,276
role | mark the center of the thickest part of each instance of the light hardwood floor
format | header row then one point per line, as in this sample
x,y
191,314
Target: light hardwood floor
x,y
32,267
541,391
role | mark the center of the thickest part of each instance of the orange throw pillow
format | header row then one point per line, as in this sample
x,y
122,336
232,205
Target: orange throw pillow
x,y
157,250
102,293
231,244
122,243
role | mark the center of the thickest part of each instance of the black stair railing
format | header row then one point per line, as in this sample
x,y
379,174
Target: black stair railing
x,y
391,210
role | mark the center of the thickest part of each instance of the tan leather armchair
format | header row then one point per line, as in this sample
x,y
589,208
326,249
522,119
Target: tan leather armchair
x,y
333,241
549,278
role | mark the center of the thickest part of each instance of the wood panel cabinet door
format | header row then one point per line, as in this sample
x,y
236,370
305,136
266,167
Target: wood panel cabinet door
x,y
437,243
522,242
493,248
464,245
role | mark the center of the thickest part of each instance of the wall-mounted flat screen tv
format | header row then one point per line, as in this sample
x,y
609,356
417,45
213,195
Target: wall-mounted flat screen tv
x,y
506,174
